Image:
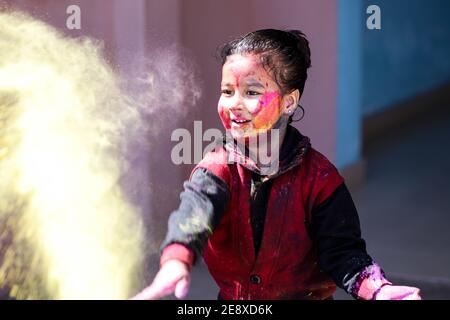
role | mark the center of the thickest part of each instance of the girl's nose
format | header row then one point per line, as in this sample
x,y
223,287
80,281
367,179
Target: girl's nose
x,y
236,107
237,104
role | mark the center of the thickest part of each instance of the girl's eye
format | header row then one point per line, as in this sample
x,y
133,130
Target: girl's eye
x,y
226,92
252,93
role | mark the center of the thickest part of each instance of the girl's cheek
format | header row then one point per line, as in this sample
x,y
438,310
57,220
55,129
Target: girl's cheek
x,y
224,116
268,111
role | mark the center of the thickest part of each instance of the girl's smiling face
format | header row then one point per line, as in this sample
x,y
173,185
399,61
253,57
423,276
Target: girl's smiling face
x,y
250,100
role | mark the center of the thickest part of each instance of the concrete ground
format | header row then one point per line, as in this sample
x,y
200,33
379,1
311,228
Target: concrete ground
x,y
404,208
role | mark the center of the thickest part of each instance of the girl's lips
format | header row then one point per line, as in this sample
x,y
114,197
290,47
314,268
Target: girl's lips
x,y
239,123
240,120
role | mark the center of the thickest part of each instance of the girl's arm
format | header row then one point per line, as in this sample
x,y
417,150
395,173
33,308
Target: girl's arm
x,y
342,251
203,202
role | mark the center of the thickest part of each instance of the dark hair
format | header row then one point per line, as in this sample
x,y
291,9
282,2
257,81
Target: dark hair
x,y
285,54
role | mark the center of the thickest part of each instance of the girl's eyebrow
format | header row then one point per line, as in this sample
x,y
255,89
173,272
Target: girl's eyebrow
x,y
255,84
249,83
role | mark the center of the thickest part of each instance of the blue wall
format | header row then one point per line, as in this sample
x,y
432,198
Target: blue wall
x,y
349,84
379,68
409,55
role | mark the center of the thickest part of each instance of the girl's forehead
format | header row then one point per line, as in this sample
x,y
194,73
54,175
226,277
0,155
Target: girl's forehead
x,y
240,57
242,61
244,65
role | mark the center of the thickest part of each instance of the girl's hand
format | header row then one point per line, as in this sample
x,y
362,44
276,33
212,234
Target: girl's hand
x,y
173,277
390,292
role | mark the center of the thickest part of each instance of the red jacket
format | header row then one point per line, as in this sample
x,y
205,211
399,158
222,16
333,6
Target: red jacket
x,y
286,266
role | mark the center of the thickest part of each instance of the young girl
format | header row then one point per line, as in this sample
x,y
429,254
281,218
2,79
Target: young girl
x,y
290,231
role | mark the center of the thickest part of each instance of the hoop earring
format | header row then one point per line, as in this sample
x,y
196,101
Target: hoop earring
x,y
303,114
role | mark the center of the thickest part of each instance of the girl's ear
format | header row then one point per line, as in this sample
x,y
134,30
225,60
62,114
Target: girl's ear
x,y
290,102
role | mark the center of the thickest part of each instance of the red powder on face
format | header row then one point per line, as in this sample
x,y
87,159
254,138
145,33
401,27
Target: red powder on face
x,y
268,111
224,117
237,74
241,71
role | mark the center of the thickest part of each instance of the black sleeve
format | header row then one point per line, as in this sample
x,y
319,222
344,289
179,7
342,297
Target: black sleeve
x,y
336,229
203,202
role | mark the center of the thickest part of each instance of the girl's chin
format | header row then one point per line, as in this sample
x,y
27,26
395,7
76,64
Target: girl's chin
x,y
239,134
